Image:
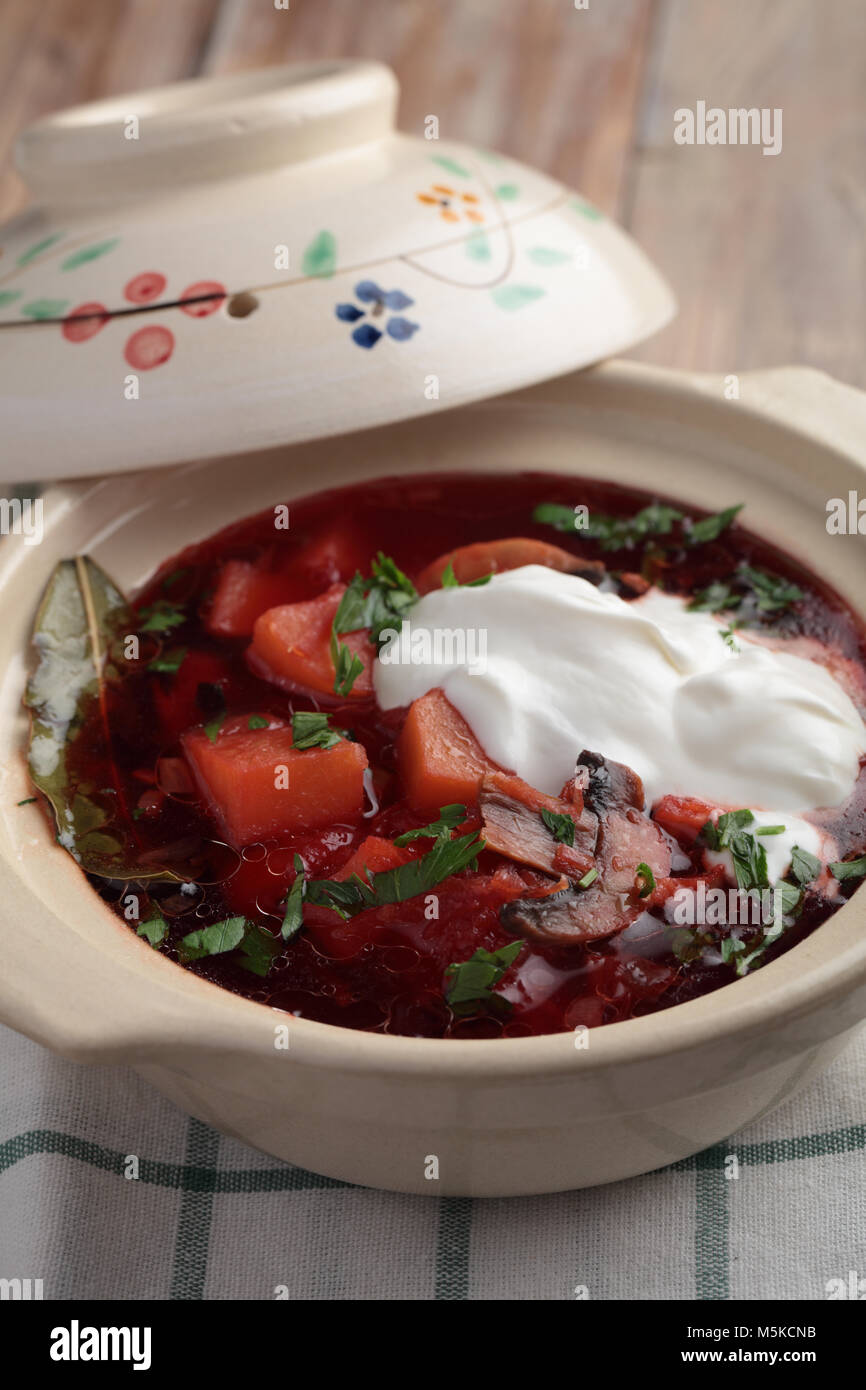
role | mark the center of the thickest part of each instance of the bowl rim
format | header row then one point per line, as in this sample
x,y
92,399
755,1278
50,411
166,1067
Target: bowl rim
x,y
206,1017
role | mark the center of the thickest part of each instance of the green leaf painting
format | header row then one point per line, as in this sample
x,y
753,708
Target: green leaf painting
x,y
513,297
452,165
320,257
88,253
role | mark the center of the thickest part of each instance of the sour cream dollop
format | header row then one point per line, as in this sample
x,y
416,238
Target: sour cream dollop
x,y
543,664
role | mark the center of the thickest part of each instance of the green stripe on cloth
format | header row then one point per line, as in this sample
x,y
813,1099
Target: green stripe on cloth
x,y
189,1270
712,1221
236,1180
452,1248
287,1178
833,1141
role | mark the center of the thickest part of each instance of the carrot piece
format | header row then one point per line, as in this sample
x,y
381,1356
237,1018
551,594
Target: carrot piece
x,y
439,757
374,854
684,817
292,646
258,786
492,557
244,591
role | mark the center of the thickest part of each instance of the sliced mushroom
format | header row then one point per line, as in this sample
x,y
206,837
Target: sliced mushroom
x,y
513,825
608,785
626,838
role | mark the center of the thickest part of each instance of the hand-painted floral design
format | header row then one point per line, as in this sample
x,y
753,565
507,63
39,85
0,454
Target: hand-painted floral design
x,y
151,345
377,303
452,205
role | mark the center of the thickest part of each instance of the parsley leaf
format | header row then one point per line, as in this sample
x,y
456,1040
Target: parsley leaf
x,y
312,730
709,528
153,930
293,918
379,603
213,726
719,836
645,879
470,982
214,940
804,866
756,592
561,827
448,820
450,580
353,895
167,663
258,949
748,857
771,592
256,721
624,533
161,616
347,666
849,868
715,598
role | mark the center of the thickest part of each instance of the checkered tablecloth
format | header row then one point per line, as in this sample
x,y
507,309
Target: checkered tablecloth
x,y
207,1218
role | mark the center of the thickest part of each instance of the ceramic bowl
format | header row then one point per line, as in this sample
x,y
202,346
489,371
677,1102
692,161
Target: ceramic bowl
x,y
224,265
504,1116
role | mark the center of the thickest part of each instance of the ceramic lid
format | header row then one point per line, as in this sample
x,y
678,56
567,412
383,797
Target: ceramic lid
x,y
229,264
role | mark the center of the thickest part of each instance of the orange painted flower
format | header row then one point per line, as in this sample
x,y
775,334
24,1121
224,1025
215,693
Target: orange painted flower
x,y
452,205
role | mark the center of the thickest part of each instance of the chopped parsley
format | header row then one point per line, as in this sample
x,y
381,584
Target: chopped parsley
x,y
804,866
450,580
449,818
561,827
347,666
173,577
645,879
313,730
154,929
214,940
469,983
258,949
211,699
256,721
168,663
849,868
709,528
624,533
752,593
353,895
293,918
161,616
750,867
748,857
378,603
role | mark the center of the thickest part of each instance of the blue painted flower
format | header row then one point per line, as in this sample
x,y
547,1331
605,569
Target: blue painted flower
x,y
378,302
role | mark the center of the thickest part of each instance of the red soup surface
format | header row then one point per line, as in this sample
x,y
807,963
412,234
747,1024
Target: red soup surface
x,y
208,771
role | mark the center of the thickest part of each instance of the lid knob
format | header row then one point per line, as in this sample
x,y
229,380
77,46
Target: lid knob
x,y
206,129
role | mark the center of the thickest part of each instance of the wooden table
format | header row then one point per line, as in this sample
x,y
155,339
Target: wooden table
x,y
766,254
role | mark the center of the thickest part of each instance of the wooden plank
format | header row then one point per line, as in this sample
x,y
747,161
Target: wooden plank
x,y
537,79
764,252
59,52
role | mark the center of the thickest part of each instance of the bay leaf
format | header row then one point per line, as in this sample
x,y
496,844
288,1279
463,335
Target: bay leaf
x,y
81,616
